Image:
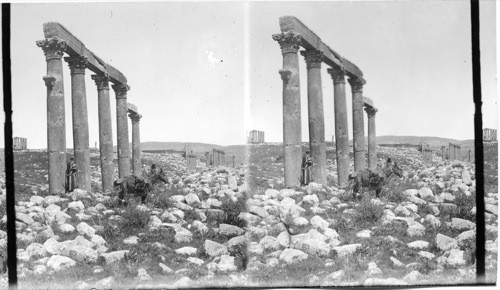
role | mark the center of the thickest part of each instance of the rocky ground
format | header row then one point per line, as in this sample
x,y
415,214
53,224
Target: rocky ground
x,y
240,227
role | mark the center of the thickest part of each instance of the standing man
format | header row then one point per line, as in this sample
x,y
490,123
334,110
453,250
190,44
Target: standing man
x,y
71,171
306,168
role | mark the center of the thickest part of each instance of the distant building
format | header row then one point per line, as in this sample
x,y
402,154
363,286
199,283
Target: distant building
x,y
489,134
255,137
19,143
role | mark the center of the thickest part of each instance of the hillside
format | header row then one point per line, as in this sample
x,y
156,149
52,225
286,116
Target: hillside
x,y
180,146
415,140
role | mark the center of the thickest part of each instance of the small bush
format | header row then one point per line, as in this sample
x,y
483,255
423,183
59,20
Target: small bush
x,y
464,205
134,218
394,190
161,198
369,211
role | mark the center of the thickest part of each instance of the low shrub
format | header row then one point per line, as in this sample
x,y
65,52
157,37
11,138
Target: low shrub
x,y
134,218
367,211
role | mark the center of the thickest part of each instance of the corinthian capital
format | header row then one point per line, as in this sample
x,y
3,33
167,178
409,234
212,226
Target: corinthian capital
x,y
121,90
371,111
77,64
101,81
135,118
338,74
53,47
49,81
357,84
289,41
313,57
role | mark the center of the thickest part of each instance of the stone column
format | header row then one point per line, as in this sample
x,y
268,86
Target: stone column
x,y
358,126
136,144
292,133
372,138
77,65
341,129
53,49
122,130
105,131
313,60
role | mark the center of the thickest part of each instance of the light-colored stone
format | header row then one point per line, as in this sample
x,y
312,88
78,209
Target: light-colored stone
x,y
461,224
364,234
132,240
373,269
445,243
84,229
346,250
214,249
165,269
418,245
270,244
115,256
58,263
292,256
226,264
319,223
187,251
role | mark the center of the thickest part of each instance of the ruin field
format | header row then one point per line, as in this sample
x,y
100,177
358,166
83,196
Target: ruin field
x,y
240,227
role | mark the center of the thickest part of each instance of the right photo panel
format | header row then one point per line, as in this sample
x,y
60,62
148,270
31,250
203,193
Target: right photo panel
x,y
360,126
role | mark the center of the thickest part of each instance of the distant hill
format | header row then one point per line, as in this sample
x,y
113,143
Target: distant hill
x,y
415,140
180,146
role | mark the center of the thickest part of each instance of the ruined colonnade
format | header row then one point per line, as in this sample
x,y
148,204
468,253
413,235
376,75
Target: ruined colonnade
x,y
58,41
455,152
294,34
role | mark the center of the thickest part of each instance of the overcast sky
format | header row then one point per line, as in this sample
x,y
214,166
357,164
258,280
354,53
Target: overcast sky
x,y
208,72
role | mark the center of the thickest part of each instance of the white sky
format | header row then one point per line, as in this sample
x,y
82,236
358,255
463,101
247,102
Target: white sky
x,y
190,65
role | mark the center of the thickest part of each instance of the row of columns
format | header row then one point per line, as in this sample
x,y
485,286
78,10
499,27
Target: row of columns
x,y
489,134
256,136
218,158
19,143
54,49
292,136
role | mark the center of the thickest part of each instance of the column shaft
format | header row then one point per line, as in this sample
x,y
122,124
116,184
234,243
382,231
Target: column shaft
x,y
316,115
372,138
136,145
53,49
341,129
80,120
292,133
122,130
105,131
358,123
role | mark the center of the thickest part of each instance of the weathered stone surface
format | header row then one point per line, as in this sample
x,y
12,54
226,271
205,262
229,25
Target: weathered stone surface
x,y
230,230
84,229
445,243
461,224
270,244
214,249
58,263
418,245
187,251
346,250
115,256
291,256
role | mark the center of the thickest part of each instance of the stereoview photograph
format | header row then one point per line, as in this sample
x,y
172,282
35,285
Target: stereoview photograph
x,y
244,143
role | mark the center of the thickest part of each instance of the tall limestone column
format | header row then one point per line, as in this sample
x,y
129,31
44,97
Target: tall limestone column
x,y
341,129
53,49
77,65
136,144
105,131
122,129
372,138
292,133
358,126
316,115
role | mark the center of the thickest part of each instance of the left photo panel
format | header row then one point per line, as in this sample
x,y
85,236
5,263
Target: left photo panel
x,y
129,138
